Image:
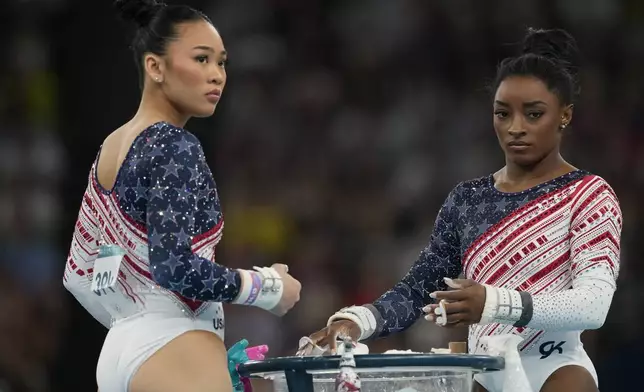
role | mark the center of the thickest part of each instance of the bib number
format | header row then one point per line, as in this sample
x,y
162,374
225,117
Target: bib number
x,y
105,280
106,269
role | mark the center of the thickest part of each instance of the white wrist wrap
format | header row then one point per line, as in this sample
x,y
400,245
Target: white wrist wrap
x,y
501,306
360,315
262,288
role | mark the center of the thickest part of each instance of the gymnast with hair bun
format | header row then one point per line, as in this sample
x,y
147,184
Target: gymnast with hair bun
x,y
142,256
538,242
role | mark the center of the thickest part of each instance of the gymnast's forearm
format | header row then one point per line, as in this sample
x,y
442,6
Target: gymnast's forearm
x,y
383,317
399,308
583,307
395,311
576,309
194,277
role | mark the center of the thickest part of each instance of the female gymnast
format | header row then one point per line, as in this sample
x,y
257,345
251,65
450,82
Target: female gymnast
x,y
142,255
538,240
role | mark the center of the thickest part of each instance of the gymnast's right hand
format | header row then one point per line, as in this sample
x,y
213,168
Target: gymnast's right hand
x,y
291,293
328,336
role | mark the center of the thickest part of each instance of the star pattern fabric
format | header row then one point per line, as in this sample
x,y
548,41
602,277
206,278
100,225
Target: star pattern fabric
x,y
470,209
166,185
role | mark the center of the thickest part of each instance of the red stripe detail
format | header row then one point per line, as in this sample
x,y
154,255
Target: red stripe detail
x,y
581,191
138,225
537,276
138,269
499,272
588,200
514,216
522,287
107,210
81,245
192,304
490,327
521,230
204,236
126,221
551,281
128,290
211,241
603,236
90,205
596,260
118,227
531,340
585,268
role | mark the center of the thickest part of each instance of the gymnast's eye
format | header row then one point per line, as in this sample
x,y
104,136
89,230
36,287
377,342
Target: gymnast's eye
x,y
501,114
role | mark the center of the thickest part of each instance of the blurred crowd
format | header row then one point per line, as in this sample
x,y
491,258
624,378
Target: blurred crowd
x,y
343,126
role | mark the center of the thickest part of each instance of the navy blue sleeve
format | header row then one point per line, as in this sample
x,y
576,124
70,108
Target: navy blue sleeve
x,y
183,203
398,308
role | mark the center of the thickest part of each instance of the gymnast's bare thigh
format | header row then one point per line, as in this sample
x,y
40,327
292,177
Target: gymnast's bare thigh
x,y
550,374
158,352
570,378
195,361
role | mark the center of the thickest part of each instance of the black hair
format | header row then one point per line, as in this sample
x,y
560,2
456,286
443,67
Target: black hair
x,y
550,55
156,26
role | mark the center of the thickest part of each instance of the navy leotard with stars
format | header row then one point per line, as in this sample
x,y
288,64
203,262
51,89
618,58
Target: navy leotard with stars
x,y
166,185
470,209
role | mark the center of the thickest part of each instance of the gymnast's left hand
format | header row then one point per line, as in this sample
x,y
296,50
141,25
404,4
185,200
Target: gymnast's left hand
x,y
463,305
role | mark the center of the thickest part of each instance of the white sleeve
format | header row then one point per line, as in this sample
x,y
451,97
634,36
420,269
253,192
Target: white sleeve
x,y
82,254
594,253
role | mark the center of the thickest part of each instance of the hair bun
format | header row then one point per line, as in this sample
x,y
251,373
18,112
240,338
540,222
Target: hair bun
x,y
555,44
140,12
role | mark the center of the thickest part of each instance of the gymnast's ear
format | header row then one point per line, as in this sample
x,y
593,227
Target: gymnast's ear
x,y
566,116
154,67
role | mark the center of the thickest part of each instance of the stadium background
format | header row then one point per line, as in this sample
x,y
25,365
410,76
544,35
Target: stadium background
x,y
343,126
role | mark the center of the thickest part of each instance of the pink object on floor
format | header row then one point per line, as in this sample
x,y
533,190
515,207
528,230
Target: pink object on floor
x,y
256,353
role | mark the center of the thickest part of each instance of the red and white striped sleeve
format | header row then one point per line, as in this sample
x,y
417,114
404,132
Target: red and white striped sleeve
x,y
80,262
595,232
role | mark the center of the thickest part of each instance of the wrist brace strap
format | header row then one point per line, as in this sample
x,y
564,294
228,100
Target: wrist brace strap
x,y
506,306
360,315
262,288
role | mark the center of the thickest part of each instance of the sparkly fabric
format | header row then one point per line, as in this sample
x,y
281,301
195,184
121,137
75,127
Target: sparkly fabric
x,y
476,217
165,213
166,184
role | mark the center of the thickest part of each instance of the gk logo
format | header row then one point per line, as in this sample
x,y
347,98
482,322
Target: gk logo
x,y
218,323
547,348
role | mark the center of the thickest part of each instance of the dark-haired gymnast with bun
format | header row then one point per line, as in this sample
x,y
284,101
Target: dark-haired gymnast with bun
x,y
538,241
142,257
